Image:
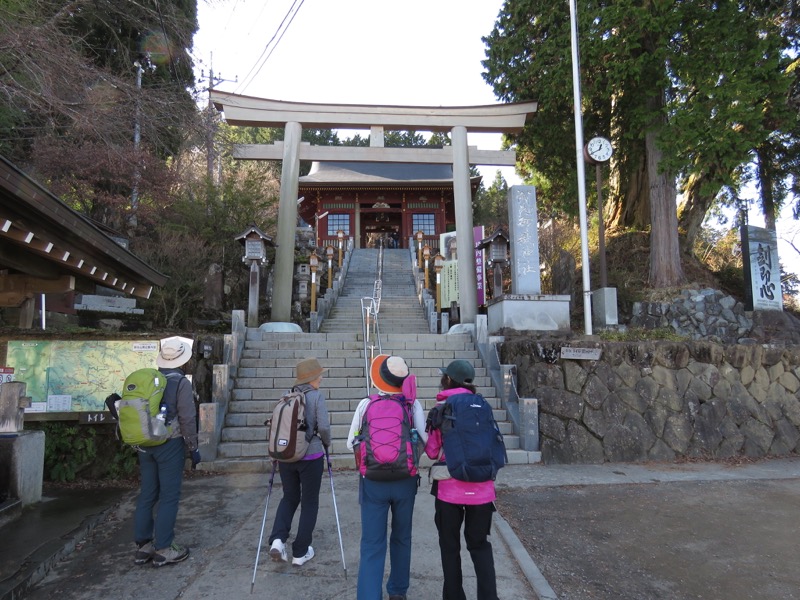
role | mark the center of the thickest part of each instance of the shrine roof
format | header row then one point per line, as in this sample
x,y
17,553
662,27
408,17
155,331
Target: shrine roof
x,y
43,240
378,173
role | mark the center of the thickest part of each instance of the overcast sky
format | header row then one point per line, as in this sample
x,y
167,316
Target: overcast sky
x,y
395,52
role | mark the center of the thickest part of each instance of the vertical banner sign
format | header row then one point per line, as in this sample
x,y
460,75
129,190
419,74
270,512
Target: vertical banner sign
x,y
480,266
762,271
449,277
449,284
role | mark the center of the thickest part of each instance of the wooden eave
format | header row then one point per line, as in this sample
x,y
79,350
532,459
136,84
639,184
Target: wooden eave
x,y
389,186
42,241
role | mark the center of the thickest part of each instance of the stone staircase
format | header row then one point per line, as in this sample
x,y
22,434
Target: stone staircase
x,y
266,367
399,308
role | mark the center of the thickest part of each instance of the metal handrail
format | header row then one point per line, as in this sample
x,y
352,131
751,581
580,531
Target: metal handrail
x,y
370,326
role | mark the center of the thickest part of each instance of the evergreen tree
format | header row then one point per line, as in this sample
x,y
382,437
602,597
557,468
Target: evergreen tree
x,y
687,91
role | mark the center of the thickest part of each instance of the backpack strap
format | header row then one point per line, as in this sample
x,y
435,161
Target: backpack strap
x,y
409,387
170,397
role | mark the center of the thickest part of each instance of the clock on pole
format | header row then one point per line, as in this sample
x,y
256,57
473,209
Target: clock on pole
x,y
598,150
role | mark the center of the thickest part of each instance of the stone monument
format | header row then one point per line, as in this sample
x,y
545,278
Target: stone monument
x,y
526,308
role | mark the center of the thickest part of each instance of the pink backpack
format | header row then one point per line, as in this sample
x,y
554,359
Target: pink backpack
x,y
386,448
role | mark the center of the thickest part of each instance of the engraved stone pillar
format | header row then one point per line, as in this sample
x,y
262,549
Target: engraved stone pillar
x,y
524,234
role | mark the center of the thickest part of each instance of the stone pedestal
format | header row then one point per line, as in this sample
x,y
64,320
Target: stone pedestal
x,y
604,307
22,465
529,424
525,312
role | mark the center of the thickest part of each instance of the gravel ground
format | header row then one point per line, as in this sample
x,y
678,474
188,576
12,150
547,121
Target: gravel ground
x,y
729,540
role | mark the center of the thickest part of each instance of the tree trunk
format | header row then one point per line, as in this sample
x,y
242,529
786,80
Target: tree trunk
x,y
694,208
665,256
629,199
765,179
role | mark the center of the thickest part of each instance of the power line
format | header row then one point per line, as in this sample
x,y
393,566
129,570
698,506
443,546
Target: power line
x,y
248,79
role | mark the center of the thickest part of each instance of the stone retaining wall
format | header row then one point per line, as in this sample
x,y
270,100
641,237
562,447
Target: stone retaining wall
x,y
705,314
661,401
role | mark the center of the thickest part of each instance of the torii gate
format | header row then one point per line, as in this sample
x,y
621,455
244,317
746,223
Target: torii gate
x,y
293,116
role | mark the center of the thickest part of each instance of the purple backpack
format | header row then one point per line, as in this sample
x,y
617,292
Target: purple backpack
x,y
386,449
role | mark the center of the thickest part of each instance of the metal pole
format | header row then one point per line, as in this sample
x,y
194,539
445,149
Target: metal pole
x,y
601,227
336,510
252,304
263,523
576,93
136,141
314,290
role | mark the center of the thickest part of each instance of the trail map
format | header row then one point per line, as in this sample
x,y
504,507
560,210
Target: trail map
x,y
75,376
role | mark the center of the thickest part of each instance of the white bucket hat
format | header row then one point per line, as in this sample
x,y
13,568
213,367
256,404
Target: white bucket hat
x,y
175,352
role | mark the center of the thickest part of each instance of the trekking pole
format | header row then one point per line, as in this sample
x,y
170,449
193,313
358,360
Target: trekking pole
x,y
335,510
263,522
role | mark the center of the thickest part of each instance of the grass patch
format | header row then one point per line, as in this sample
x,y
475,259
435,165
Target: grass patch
x,y
638,334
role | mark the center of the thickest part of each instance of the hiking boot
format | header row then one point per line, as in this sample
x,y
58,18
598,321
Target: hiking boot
x,y
278,551
144,552
167,556
304,559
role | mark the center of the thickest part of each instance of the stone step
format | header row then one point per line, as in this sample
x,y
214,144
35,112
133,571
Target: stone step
x,y
339,431
353,340
355,391
258,448
340,462
257,418
426,375
267,363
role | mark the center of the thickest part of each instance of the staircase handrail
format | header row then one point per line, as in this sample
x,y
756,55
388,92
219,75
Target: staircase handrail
x,y
370,326
378,286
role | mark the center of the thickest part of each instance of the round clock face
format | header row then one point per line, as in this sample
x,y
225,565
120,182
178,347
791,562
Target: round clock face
x,y
599,149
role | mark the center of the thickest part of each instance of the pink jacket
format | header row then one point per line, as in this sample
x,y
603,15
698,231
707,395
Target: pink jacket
x,y
454,491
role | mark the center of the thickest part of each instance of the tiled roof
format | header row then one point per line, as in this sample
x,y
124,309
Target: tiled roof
x,y
369,172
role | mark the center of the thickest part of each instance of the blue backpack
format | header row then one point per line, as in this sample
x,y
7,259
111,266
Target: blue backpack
x,y
473,445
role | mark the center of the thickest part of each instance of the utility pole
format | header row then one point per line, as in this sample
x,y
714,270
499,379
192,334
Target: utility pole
x,y
137,136
211,122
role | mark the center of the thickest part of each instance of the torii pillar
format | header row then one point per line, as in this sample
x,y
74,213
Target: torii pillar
x,y
462,197
287,224
293,116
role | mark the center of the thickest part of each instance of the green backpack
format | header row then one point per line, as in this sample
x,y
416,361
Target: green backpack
x,y
138,409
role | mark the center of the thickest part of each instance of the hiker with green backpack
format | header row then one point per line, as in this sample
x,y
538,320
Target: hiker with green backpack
x,y
161,462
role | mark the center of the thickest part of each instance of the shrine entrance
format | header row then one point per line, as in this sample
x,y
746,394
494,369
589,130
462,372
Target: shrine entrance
x,y
381,226
456,121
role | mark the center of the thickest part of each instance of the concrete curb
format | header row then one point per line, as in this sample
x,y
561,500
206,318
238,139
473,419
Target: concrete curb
x,y
525,562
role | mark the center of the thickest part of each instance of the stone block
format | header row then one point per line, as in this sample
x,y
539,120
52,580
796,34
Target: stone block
x,y
22,456
528,313
529,424
604,307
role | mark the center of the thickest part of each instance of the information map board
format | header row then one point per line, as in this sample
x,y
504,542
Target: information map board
x,y
76,376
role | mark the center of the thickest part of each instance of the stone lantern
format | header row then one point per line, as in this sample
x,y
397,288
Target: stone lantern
x,y
497,244
255,244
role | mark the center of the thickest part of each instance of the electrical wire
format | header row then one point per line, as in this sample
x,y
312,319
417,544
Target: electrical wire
x,y
251,75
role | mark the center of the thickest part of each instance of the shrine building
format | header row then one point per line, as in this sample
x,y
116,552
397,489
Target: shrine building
x,y
371,202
